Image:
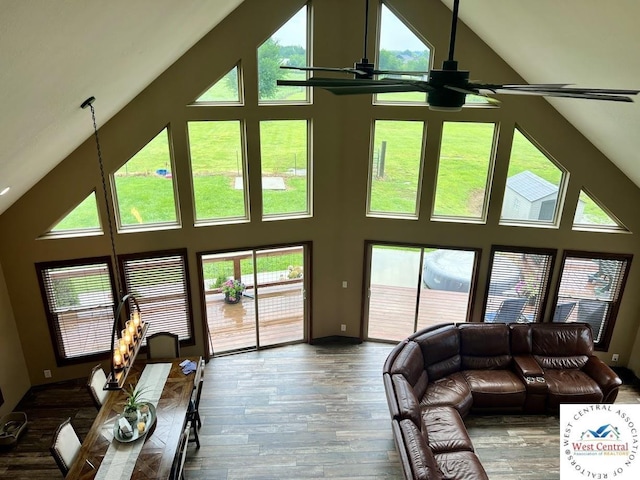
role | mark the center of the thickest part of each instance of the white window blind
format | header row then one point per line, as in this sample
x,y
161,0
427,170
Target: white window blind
x,y
78,299
518,285
590,290
159,283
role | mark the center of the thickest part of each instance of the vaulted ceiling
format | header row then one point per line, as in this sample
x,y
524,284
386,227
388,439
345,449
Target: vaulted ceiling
x,y
55,54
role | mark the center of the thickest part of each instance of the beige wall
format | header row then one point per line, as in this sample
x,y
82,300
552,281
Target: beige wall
x,y
14,377
341,129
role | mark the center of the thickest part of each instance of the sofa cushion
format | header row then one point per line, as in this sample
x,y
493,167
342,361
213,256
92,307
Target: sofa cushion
x,y
441,351
495,388
571,386
452,390
562,345
484,346
409,362
406,401
460,466
445,430
423,462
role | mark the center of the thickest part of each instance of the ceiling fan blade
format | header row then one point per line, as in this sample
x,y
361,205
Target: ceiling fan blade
x,y
349,70
334,82
560,93
491,100
369,89
408,73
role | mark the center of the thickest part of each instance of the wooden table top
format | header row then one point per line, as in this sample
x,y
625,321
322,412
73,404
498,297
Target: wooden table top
x,y
160,444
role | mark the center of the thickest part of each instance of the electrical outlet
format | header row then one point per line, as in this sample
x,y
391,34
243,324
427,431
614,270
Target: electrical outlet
x,y
615,357
344,284
343,328
47,374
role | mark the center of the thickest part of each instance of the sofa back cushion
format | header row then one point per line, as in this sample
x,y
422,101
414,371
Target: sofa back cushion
x,y
423,462
406,400
562,345
520,338
409,363
484,346
441,351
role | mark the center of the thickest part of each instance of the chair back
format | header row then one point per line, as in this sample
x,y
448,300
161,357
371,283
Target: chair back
x,y
65,446
510,310
593,312
95,384
178,463
163,345
562,312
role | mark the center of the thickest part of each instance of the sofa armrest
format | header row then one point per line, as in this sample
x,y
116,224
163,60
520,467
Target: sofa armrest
x,y
604,376
527,366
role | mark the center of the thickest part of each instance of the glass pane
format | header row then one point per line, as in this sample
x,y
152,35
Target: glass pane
x,y
463,169
447,276
83,217
589,214
517,286
588,289
396,165
218,170
288,46
144,185
284,166
393,292
224,90
533,183
401,49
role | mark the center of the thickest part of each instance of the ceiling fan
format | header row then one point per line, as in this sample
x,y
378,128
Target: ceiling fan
x,y
447,88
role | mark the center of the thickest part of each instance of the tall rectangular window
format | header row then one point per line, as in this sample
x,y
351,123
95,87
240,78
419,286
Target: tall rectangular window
x,y
218,171
78,300
590,290
159,281
396,168
464,165
518,284
284,150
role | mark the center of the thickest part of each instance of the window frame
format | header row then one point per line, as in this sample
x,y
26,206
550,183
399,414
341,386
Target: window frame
x,y
174,184
52,322
552,253
158,254
612,312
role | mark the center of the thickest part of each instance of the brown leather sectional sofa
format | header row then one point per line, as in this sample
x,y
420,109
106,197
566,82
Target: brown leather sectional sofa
x,y
438,375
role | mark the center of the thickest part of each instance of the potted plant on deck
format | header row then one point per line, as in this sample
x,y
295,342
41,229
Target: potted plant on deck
x,y
232,290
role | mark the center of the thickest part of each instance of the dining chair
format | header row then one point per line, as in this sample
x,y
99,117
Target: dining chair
x,y
65,446
510,310
177,469
95,385
193,414
563,311
163,345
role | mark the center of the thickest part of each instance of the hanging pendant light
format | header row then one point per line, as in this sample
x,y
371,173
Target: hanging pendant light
x,y
129,339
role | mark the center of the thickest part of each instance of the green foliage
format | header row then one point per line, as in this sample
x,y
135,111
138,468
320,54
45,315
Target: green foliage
x,y
269,71
134,398
65,294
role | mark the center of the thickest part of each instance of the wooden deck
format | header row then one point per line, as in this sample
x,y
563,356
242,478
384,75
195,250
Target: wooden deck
x,y
234,327
392,310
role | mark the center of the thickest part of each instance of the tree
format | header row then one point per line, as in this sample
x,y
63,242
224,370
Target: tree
x,y
269,61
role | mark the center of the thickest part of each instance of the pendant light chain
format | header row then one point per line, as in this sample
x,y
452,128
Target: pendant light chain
x,y
89,103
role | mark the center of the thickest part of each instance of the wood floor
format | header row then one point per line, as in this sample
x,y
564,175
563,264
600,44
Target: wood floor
x,y
296,412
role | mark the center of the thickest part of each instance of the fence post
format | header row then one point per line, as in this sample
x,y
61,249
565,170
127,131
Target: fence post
x,y
383,151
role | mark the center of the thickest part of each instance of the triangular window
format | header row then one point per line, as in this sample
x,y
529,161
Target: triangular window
x,y
534,185
225,90
287,46
83,218
144,186
591,215
399,48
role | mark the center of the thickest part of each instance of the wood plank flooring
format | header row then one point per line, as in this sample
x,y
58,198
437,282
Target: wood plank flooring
x,y
296,412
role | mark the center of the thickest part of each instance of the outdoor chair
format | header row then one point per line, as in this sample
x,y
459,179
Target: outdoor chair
x,y
65,446
509,311
563,311
95,385
163,345
593,313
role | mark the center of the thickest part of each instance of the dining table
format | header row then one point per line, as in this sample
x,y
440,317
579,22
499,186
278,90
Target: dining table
x,y
151,456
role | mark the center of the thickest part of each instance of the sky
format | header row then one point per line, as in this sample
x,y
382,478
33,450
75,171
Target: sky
x,y
394,34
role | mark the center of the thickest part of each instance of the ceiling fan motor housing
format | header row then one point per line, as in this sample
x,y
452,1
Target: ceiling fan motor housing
x,y
441,98
364,66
